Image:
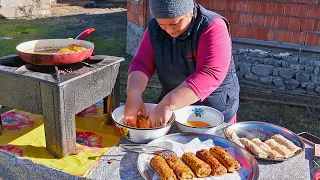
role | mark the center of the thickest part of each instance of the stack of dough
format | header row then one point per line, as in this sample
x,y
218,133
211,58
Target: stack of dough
x,y
283,150
283,141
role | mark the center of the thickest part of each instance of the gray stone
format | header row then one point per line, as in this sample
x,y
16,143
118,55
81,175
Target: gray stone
x,y
263,70
315,79
260,60
310,63
316,70
278,82
303,60
269,61
285,64
245,68
296,66
292,59
266,80
310,87
292,84
277,63
302,76
251,77
251,59
308,69
304,85
235,51
317,89
286,73
241,58
276,71
317,63
240,75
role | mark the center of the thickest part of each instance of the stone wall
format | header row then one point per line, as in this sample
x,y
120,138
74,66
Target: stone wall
x,y
28,8
284,70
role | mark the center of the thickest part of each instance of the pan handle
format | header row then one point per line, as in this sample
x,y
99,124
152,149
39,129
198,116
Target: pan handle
x,y
85,33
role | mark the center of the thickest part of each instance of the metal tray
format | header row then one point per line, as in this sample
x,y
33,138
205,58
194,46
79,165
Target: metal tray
x,y
244,157
264,131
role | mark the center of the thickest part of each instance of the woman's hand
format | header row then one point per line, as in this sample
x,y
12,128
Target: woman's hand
x,y
159,116
134,105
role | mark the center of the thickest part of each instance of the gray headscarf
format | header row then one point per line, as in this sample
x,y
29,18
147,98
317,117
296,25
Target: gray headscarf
x,y
164,9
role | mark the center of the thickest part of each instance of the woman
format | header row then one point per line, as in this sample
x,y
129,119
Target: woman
x,y
190,48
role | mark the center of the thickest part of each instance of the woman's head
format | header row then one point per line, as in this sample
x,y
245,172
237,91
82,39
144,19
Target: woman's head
x,y
173,16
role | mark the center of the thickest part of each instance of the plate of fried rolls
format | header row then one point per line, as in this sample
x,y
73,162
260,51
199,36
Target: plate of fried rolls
x,y
198,156
265,141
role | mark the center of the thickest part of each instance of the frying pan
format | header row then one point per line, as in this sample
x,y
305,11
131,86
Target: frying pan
x,y
28,51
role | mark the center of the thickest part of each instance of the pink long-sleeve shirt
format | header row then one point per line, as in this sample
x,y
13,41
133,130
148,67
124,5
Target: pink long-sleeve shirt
x,y
212,62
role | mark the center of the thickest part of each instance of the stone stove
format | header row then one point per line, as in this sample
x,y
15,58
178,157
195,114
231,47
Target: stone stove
x,y
59,92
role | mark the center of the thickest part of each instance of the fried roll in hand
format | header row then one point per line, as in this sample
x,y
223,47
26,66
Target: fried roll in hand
x,y
217,169
283,150
286,142
200,168
232,136
253,148
182,171
266,148
225,158
162,168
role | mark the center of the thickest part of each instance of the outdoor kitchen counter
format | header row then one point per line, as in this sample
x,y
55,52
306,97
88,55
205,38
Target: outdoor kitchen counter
x,y
125,168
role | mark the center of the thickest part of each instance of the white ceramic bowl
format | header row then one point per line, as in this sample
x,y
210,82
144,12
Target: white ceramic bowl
x,y
139,135
205,114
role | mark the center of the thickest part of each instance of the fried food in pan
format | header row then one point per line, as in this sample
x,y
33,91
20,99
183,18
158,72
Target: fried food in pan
x,y
217,169
283,150
162,168
232,136
182,171
225,158
143,121
286,142
253,148
266,148
200,168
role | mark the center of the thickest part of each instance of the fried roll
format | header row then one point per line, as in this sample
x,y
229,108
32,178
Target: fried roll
x,y
232,136
253,148
286,142
200,168
266,148
217,169
142,121
182,171
225,158
162,168
283,150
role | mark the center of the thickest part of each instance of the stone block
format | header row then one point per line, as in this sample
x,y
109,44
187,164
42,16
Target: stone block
x,y
308,69
276,71
315,79
245,68
292,84
317,89
286,73
316,70
266,80
263,70
317,63
269,61
302,76
310,87
278,82
251,77
296,66
277,63
291,59
284,64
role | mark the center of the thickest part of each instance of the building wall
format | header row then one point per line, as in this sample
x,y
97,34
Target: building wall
x,y
284,22
24,8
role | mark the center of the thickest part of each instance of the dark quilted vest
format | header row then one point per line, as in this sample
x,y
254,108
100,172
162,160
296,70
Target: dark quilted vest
x,y
175,60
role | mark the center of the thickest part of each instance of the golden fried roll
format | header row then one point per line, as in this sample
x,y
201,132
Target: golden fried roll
x,y
182,171
200,168
253,148
162,168
283,150
217,169
142,121
286,142
225,158
266,148
232,136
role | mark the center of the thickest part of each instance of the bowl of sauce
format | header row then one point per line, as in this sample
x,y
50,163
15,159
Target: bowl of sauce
x,y
198,119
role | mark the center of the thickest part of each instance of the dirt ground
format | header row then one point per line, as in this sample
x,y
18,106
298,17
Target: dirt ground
x,y
110,39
